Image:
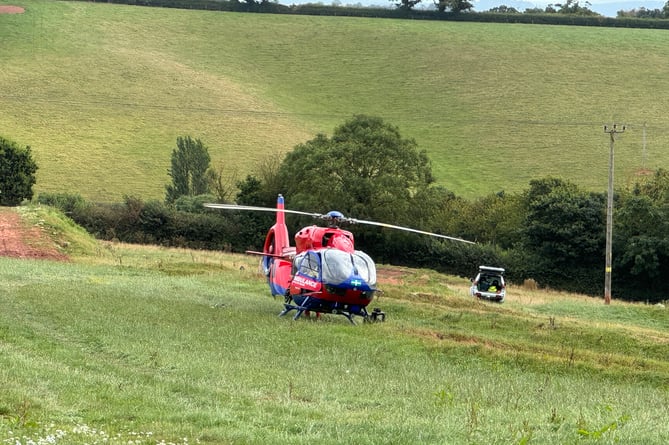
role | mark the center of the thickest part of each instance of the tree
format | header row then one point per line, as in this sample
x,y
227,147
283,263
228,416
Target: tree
x,y
190,162
453,5
564,223
571,7
563,234
640,244
503,9
494,219
267,172
253,226
366,169
407,4
17,173
640,235
655,187
221,184
642,13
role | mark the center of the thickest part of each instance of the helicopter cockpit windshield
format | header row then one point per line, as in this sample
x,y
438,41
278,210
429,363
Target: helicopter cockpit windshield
x,y
339,267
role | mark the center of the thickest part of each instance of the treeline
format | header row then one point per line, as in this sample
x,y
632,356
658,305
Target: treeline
x,y
552,233
456,10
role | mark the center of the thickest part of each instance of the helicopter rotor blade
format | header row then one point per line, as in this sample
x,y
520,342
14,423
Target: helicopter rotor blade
x,y
336,215
258,209
408,229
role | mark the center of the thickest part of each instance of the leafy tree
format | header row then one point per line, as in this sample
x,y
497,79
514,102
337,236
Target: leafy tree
x,y
366,169
432,210
655,187
641,226
564,223
494,219
449,214
640,243
571,7
503,9
453,5
260,189
642,13
251,192
17,173
267,173
407,4
253,226
193,204
564,233
190,162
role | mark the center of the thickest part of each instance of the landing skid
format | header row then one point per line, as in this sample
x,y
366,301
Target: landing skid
x,y
309,306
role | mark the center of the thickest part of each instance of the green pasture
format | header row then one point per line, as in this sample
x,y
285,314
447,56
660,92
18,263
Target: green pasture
x,y
101,92
147,345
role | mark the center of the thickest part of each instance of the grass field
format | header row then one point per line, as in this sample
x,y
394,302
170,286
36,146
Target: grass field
x,y
146,345
102,91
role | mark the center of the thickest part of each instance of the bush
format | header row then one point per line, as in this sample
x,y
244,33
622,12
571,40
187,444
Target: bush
x,y
68,203
17,173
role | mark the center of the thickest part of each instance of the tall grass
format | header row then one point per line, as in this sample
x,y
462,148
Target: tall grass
x,y
102,91
153,345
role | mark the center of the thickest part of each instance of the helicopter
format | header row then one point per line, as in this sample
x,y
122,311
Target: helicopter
x,y
323,272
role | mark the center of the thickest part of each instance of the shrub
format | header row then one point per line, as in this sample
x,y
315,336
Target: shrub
x,y
17,173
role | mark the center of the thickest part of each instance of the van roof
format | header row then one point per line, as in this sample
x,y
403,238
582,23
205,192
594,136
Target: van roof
x,y
491,269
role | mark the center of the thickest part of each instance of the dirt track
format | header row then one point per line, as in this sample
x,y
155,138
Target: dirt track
x,y
17,240
20,241
9,9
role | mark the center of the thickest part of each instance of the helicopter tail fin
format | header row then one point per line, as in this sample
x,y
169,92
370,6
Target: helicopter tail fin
x,y
277,252
277,241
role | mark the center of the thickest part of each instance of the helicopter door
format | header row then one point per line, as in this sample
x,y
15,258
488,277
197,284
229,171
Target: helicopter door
x,y
307,273
310,265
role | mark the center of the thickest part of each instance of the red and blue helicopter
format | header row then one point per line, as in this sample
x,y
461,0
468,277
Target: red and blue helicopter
x,y
323,272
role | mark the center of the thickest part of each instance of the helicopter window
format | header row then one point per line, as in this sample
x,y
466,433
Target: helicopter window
x,y
365,266
339,266
309,264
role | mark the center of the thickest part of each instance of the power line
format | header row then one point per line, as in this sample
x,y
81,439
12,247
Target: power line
x,y
121,103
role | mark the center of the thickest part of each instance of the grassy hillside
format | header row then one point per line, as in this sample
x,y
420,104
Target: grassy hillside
x,y
102,91
151,345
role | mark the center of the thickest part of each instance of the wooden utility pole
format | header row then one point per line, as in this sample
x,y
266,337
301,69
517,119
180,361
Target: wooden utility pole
x,y
612,131
643,151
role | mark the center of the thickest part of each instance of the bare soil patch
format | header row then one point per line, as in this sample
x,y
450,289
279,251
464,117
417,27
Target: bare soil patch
x,y
21,241
10,9
389,276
